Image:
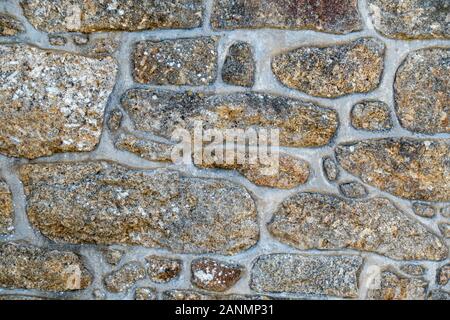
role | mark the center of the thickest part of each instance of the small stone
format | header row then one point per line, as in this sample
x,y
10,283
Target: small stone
x,y
115,120
439,295
6,209
423,210
445,212
295,273
371,116
443,275
98,15
422,87
335,16
445,229
81,39
124,278
353,190
163,270
396,287
176,62
411,19
145,293
405,167
98,294
113,256
413,269
330,168
10,26
56,40
51,101
98,48
325,222
29,267
105,203
147,149
301,124
214,275
239,66
196,295
333,71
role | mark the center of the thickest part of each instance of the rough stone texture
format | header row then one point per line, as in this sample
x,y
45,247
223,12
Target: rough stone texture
x,y
51,102
239,66
411,19
98,294
371,116
100,47
422,91
413,269
99,15
214,275
443,275
10,26
6,209
28,267
445,229
301,124
320,221
332,16
145,294
322,275
423,210
113,256
162,270
150,150
101,203
176,62
406,167
396,287
115,120
197,295
56,40
445,212
123,279
439,295
330,168
353,189
334,71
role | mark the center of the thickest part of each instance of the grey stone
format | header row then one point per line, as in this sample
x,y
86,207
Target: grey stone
x,y
413,269
113,256
353,190
423,210
239,66
330,168
445,229
123,279
443,275
371,116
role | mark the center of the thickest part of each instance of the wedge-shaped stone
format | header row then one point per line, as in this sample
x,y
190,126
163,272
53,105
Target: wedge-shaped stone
x,y
301,124
411,19
408,168
29,267
422,91
98,15
332,16
334,71
6,209
319,221
295,273
103,203
51,101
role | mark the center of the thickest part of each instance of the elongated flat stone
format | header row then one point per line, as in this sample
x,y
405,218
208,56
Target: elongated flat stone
x,y
295,273
320,221
334,71
98,15
101,203
29,267
301,124
6,209
408,168
411,19
51,101
332,16
422,91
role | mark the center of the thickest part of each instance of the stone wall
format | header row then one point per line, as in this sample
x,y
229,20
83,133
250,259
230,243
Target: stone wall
x,y
91,206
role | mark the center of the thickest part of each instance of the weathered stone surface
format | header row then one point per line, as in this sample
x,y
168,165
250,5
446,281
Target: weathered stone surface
x,y
147,149
353,189
176,62
6,209
320,221
57,40
29,267
408,168
411,19
295,273
443,275
439,295
332,16
422,91
10,26
239,66
214,275
330,168
98,15
445,229
413,269
51,101
396,287
162,270
334,71
123,279
98,294
80,39
196,295
113,256
371,116
101,47
301,124
145,293
102,203
115,120
423,210
446,212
